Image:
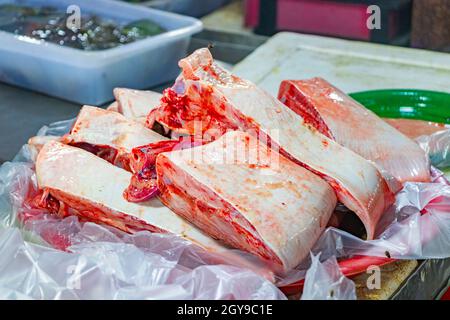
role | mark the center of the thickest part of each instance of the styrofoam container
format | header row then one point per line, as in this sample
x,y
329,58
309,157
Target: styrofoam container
x,y
89,77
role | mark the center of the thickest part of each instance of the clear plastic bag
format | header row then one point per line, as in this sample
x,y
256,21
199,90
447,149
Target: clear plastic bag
x,y
416,227
420,228
437,146
324,281
118,270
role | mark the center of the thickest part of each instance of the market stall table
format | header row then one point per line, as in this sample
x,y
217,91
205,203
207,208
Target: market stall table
x,y
23,113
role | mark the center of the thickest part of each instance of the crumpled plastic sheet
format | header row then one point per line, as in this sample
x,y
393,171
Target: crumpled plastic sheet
x,y
112,269
437,146
420,228
324,281
115,265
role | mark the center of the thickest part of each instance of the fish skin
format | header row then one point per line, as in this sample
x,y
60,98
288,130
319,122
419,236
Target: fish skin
x,y
262,203
113,107
352,125
413,128
102,128
222,101
36,143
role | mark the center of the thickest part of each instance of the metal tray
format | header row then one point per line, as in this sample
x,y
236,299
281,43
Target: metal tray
x,y
430,280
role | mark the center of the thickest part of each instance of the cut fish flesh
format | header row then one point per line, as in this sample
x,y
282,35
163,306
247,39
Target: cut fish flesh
x,y
93,187
413,128
136,104
90,187
207,101
238,190
36,143
113,137
343,119
113,107
143,165
124,143
109,135
119,140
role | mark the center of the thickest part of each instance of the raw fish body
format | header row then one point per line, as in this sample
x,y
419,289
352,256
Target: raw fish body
x,y
208,101
238,190
341,118
413,128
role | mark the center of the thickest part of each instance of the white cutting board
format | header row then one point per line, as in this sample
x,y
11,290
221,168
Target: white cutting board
x,y
350,65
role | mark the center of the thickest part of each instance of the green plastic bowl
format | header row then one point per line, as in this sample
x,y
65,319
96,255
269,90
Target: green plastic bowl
x,y
407,103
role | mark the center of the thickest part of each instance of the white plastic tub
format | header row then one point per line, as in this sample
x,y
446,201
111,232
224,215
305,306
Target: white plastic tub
x,y
193,8
88,77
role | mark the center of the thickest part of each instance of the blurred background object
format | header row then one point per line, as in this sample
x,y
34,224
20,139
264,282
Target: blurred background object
x,y
193,8
336,18
431,25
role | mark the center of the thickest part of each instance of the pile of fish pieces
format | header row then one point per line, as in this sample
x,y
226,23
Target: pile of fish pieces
x,y
239,168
